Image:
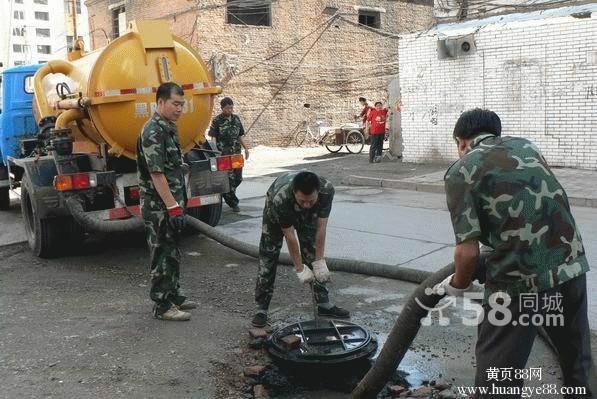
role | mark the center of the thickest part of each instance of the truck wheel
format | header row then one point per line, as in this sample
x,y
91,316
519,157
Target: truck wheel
x,y
209,214
45,236
4,199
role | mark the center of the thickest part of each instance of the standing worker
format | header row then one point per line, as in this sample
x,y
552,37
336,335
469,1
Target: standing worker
x,y
227,130
297,204
163,197
502,193
377,127
365,111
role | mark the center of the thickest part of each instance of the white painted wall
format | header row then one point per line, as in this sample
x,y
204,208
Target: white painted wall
x,y
537,72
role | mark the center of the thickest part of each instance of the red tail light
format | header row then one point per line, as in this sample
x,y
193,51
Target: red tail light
x,y
76,181
81,181
134,194
224,163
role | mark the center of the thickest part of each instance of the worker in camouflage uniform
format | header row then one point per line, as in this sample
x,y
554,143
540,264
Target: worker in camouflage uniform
x,y
163,197
227,130
501,193
297,204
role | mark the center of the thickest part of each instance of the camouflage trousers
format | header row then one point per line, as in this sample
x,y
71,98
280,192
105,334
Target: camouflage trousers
x,y
164,257
269,252
235,177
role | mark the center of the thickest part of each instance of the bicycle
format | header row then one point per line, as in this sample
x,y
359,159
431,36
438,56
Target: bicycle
x,y
305,135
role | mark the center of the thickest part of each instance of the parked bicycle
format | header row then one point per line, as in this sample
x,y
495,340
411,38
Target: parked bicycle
x,y
332,138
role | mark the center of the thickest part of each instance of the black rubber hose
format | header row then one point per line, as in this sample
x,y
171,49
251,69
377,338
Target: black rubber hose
x,y
406,327
336,264
90,223
401,336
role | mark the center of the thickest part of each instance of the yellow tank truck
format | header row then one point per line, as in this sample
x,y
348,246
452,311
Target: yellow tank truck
x,y
78,172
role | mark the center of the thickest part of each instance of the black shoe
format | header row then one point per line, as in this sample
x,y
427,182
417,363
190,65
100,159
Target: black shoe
x,y
259,320
333,312
235,208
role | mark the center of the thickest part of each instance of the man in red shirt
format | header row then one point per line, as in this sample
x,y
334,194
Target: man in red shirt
x,y
376,121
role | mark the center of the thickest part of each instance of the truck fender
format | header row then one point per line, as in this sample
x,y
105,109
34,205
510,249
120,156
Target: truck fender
x,y
39,175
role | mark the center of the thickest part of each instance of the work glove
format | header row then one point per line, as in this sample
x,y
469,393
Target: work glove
x,y
321,271
445,288
306,276
176,218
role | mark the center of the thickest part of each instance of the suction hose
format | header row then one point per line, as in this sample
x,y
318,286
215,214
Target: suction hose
x,y
402,334
337,264
406,327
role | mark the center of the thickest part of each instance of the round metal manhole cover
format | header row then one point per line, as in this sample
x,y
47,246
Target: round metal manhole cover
x,y
322,342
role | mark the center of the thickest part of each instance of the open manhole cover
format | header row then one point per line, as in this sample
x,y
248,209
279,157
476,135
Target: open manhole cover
x,y
322,342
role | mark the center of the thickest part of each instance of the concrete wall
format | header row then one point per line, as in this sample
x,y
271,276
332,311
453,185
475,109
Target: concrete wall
x,y
346,62
539,75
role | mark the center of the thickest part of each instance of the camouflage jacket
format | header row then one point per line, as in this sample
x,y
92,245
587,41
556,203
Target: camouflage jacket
x,y
158,150
282,209
503,194
227,131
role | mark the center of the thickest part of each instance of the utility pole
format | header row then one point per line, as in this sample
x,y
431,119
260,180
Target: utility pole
x,y
74,8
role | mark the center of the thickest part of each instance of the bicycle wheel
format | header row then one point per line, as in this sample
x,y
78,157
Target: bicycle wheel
x,y
299,138
355,142
333,148
330,143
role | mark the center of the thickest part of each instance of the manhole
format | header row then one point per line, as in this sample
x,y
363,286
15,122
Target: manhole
x,y
322,342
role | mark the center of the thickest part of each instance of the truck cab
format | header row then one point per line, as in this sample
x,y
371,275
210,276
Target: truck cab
x,y
16,120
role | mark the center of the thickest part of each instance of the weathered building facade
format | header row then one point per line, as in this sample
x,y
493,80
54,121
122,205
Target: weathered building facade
x,y
274,56
537,70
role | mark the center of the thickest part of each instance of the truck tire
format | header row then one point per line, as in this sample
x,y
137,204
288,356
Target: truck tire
x,y
50,237
209,214
4,199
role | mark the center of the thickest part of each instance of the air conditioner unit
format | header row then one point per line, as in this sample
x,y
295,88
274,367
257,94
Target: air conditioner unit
x,y
453,47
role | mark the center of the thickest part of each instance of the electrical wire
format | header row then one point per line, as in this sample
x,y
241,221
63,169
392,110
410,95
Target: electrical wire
x,y
290,75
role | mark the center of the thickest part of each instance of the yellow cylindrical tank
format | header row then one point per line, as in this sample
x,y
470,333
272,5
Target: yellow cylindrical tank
x,y
119,83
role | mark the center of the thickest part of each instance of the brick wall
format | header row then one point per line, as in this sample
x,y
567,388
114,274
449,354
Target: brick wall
x,y
346,62
539,76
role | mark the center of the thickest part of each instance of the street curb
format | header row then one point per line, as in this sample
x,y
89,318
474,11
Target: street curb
x,y
353,180
13,244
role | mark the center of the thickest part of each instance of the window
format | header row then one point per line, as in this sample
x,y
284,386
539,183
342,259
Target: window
x,y
42,15
68,6
370,18
42,61
18,1
44,2
17,63
42,32
29,84
69,43
18,48
118,19
19,15
44,49
18,31
257,13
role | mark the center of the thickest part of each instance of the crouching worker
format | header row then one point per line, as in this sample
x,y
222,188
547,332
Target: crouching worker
x,y
297,204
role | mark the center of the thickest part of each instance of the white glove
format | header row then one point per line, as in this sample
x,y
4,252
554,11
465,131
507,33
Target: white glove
x,y
445,288
321,271
306,276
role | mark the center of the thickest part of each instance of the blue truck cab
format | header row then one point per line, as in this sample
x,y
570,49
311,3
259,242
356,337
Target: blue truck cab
x,y
16,120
